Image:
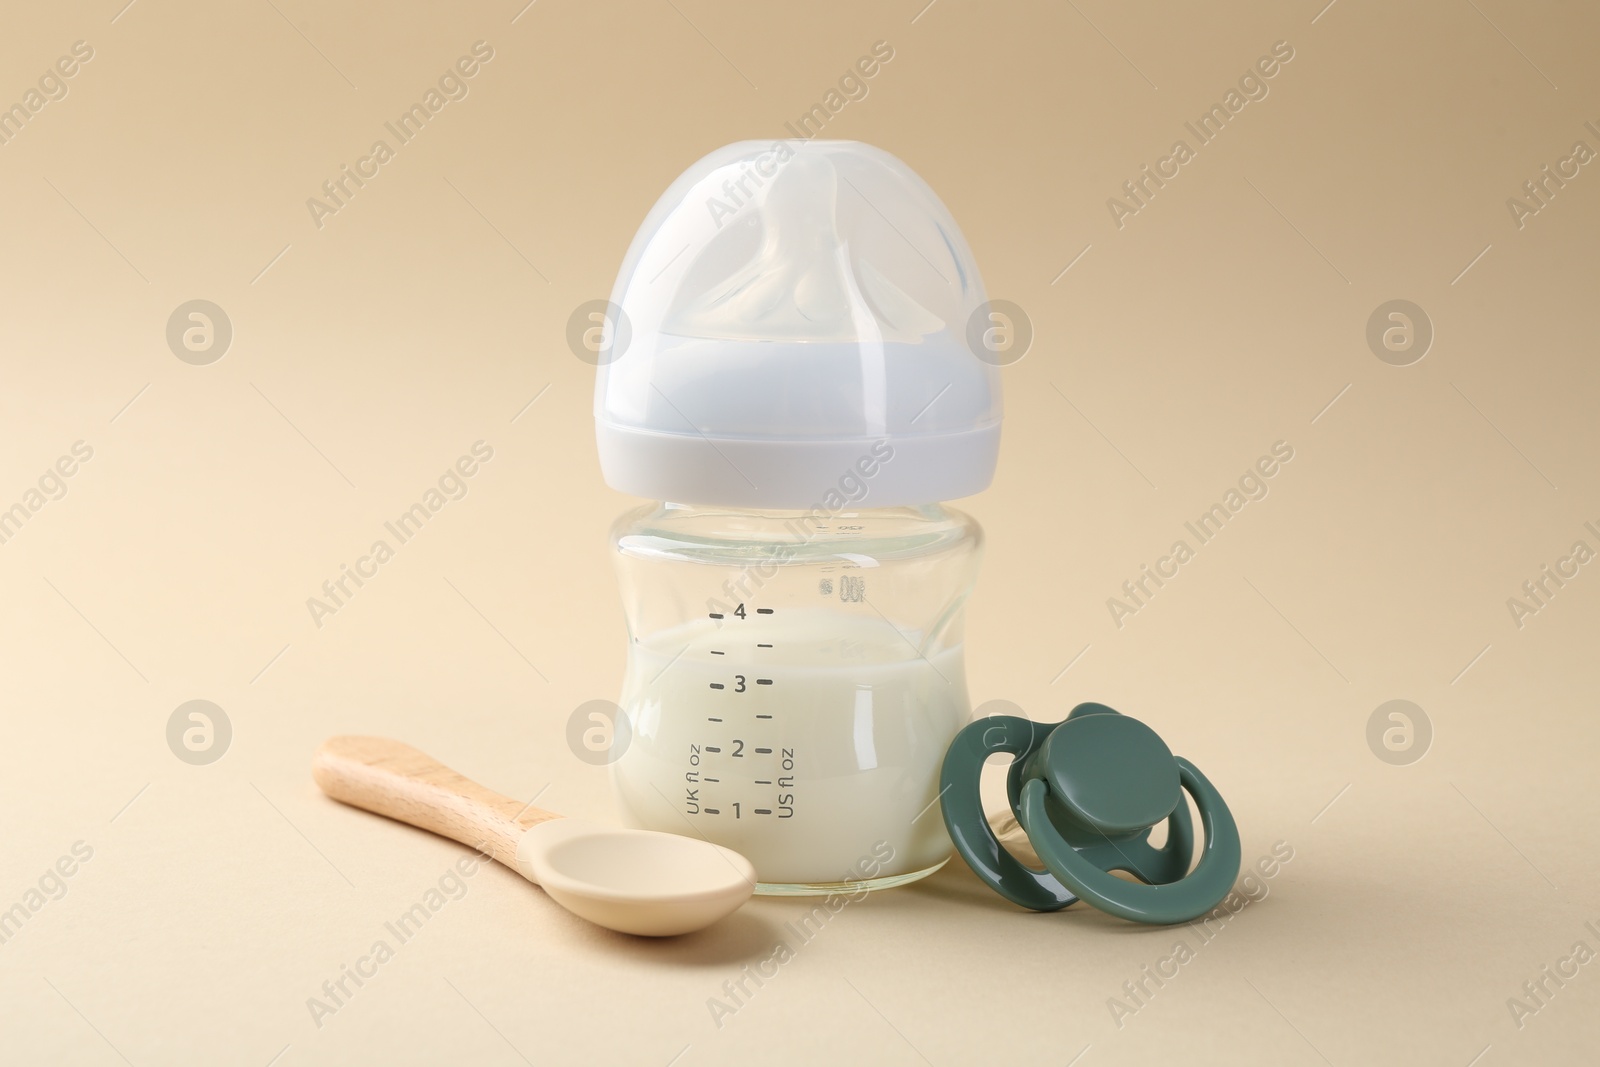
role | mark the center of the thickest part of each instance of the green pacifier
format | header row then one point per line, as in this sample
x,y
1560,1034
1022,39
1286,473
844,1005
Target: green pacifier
x,y
1088,791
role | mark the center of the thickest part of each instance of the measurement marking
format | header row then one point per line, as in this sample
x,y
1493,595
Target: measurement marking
x,y
710,749
763,751
711,779
712,718
763,716
717,685
714,652
716,615
763,611
763,811
762,781
763,681
763,646
713,811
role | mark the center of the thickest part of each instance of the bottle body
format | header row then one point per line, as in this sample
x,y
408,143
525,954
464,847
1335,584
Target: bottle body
x,y
793,681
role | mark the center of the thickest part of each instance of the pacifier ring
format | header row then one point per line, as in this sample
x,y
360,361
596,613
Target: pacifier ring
x,y
969,827
1088,791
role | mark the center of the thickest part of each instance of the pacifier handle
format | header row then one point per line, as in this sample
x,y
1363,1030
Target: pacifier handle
x,y
969,827
1180,901
1137,856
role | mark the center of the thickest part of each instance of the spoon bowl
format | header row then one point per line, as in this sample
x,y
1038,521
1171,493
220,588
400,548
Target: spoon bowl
x,y
634,881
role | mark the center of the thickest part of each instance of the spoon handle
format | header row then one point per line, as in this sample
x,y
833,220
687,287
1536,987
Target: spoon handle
x,y
394,779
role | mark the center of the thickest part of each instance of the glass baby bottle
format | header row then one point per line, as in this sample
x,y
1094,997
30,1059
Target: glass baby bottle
x,y
792,384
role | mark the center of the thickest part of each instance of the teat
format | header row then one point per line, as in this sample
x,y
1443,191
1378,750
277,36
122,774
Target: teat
x,y
806,281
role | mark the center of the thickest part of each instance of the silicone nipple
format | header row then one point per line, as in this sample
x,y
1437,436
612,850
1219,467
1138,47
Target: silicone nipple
x,y
803,281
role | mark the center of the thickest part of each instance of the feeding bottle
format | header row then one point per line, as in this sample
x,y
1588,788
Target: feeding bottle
x,y
790,380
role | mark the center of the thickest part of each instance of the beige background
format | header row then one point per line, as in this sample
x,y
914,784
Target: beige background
x,y
431,310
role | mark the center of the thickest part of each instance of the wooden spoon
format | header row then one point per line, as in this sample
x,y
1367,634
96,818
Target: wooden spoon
x,y
635,881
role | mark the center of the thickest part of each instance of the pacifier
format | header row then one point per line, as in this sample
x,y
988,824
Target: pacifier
x,y
1088,791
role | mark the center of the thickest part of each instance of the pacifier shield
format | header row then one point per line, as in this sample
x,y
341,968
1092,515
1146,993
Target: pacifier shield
x,y
1110,772
1087,791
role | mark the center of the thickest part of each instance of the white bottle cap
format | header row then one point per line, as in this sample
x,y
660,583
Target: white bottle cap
x,y
793,316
